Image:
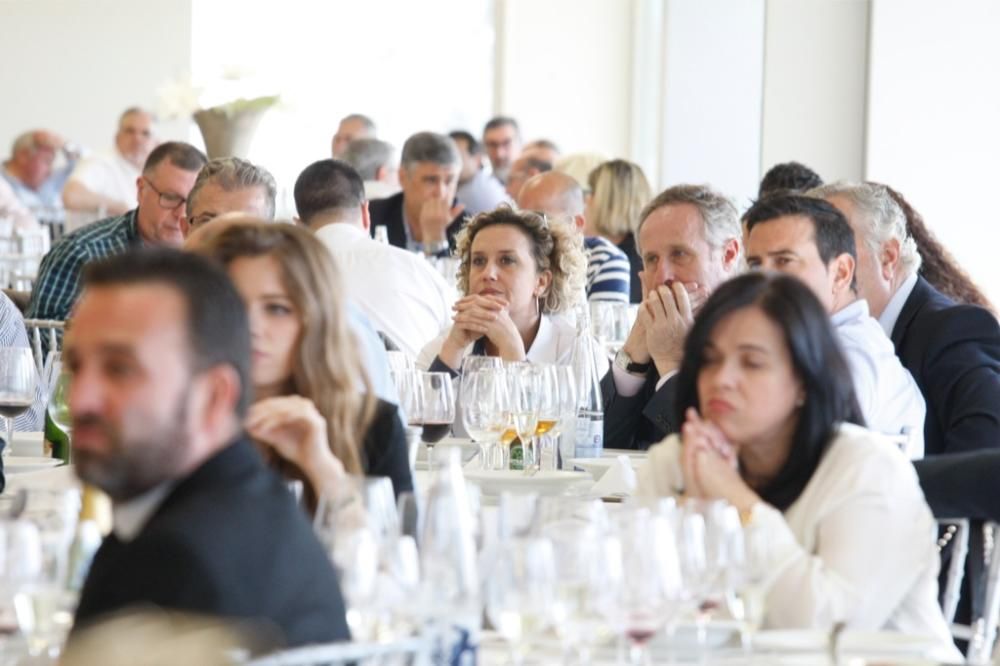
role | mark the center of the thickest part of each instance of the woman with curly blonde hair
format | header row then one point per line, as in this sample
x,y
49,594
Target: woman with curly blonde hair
x,y
518,273
314,413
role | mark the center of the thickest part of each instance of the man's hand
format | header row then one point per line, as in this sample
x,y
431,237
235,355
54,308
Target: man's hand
x,y
635,344
670,308
435,216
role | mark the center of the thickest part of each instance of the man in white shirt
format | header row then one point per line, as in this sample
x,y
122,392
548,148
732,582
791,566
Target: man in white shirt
x,y
689,241
559,196
104,185
402,294
810,239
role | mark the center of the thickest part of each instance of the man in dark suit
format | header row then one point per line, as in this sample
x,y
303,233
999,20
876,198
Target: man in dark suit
x,y
424,216
689,240
952,351
159,354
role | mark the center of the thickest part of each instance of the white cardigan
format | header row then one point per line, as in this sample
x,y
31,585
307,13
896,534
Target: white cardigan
x,y
858,545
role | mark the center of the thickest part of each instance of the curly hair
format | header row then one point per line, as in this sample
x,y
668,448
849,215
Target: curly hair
x,y
555,247
938,266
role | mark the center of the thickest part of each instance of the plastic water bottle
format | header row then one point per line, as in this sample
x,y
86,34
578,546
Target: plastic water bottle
x,y
382,234
589,431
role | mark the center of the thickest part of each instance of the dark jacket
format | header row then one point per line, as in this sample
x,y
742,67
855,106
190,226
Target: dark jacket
x,y
385,448
388,213
228,541
953,353
639,421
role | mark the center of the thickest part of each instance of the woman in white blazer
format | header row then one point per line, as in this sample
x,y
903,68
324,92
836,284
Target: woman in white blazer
x,y
767,403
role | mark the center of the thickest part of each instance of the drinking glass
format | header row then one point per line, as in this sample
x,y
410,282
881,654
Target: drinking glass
x,y
42,603
746,595
566,427
520,592
410,389
477,363
525,388
649,592
482,398
610,324
17,387
437,409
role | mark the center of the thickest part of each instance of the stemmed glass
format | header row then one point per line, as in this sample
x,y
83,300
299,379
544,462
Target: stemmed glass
x,y
649,589
746,595
610,324
437,409
41,602
525,387
17,387
520,592
482,398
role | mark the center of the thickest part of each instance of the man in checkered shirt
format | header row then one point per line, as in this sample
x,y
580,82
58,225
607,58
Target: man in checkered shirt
x,y
163,187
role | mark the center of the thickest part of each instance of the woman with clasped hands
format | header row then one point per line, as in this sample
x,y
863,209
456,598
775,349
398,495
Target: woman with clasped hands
x,y
518,272
769,411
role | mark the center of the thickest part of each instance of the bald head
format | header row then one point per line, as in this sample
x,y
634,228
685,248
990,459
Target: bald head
x,y
552,193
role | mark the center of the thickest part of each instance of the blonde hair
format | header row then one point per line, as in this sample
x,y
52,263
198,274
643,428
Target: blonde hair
x,y
618,191
555,247
327,368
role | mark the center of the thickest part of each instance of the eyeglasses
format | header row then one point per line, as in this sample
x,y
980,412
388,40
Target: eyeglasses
x,y
166,199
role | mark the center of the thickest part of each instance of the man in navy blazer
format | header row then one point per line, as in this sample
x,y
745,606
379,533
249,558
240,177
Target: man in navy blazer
x,y
952,350
159,354
424,216
690,242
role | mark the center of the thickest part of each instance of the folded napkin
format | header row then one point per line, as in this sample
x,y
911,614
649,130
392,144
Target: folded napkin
x,y
619,480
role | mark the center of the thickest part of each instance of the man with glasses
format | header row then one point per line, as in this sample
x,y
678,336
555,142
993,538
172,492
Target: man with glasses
x,y
163,187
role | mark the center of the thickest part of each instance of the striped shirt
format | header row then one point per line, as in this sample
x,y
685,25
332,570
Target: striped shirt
x,y
58,283
13,334
607,271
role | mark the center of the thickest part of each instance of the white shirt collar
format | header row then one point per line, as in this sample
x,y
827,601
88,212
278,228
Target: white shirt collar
x,y
344,231
857,309
131,516
895,305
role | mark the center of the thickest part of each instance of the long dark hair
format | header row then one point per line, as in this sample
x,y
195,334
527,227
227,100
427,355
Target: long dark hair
x,y
816,358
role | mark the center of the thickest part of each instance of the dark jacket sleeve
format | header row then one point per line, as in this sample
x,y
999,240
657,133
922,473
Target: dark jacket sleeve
x,y
637,421
962,485
385,448
962,368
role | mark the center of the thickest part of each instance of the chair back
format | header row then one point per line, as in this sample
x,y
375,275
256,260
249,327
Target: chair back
x,y
51,330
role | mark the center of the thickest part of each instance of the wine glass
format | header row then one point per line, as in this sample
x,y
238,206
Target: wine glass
x,y
42,603
746,595
610,324
524,387
481,400
17,387
550,415
520,592
437,409
649,591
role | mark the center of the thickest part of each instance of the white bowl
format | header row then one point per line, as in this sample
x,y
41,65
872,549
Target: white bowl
x,y
494,482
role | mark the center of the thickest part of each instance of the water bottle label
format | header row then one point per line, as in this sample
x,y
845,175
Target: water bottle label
x,y
589,436
457,646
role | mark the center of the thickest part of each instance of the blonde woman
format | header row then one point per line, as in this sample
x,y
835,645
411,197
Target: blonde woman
x,y
519,272
314,413
618,192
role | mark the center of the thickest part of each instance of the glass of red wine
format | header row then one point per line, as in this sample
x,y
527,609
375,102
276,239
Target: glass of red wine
x,y
17,387
437,409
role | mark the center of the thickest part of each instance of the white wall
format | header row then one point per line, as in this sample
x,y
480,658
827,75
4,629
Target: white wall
x,y
564,71
713,69
815,85
74,66
934,121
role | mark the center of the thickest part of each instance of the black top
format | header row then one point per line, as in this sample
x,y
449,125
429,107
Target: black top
x,y
388,213
635,265
953,353
385,449
641,420
228,541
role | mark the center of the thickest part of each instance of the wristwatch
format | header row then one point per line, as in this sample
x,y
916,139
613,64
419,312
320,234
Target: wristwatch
x,y
625,362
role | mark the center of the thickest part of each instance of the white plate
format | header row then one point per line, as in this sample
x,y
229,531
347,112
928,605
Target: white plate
x,y
596,467
468,447
494,482
22,464
855,642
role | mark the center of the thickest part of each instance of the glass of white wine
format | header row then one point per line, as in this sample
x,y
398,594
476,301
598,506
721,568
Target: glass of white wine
x,y
17,387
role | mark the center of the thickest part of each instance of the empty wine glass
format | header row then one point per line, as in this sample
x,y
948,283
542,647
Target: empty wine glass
x,y
610,324
482,397
520,592
42,603
746,594
17,387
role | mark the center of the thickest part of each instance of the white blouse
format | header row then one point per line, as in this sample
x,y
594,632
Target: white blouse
x,y
857,546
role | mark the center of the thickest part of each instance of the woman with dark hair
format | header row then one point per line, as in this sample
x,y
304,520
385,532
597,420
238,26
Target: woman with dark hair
x,y
937,266
768,408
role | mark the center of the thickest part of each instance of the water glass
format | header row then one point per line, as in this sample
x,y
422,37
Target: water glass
x,y
520,592
482,399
